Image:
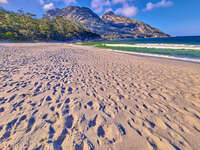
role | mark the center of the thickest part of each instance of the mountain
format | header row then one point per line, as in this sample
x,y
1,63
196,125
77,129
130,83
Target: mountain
x,y
24,27
109,25
131,27
82,16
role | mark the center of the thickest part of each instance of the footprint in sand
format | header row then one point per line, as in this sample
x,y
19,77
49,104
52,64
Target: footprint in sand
x,y
65,109
11,124
20,121
2,109
48,98
52,108
100,131
67,101
70,90
92,123
8,130
57,144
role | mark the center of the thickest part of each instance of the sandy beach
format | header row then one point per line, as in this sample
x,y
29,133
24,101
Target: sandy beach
x,y
69,97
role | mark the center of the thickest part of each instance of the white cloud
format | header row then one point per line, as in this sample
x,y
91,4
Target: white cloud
x,y
68,2
162,3
41,2
3,1
121,1
118,1
48,6
127,10
98,5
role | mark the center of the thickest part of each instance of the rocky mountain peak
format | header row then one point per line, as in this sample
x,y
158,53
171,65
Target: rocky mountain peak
x,y
109,25
112,17
109,13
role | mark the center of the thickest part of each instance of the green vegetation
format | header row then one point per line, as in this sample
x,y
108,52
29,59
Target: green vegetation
x,y
108,42
168,52
24,27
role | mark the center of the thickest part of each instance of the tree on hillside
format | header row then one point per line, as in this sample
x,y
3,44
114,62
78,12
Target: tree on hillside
x,y
21,26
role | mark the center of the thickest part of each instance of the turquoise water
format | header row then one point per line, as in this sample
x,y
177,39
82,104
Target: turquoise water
x,y
183,53
188,40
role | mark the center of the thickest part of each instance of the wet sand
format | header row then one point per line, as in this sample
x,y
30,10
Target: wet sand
x,y
63,96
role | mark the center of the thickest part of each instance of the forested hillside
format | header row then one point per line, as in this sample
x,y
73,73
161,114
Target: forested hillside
x,y
20,26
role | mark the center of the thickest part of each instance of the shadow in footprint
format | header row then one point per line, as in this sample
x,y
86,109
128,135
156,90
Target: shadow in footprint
x,y
17,105
121,96
138,132
65,110
44,116
20,120
3,100
2,109
79,146
92,123
121,129
37,90
48,98
69,121
196,128
12,98
5,136
70,90
151,123
67,100
90,145
30,124
145,106
52,108
39,148
11,124
51,132
100,131
176,147
90,103
34,112
62,90
57,144
1,127
154,146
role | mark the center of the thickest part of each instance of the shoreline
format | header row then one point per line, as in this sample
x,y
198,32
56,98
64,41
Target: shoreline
x,y
159,56
190,60
159,46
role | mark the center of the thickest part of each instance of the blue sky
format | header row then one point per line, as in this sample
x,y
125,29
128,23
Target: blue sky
x,y
175,17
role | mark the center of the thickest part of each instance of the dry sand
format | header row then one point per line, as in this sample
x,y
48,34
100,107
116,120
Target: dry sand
x,y
62,97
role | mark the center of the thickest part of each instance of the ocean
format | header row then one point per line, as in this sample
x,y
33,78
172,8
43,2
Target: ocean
x,y
185,47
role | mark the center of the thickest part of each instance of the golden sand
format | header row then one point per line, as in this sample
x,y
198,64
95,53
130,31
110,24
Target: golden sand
x,y
62,96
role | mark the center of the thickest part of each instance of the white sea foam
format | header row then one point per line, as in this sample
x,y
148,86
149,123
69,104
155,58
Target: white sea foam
x,y
159,56
159,46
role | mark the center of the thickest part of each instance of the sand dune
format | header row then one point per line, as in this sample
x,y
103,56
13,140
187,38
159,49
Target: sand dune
x,y
62,97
